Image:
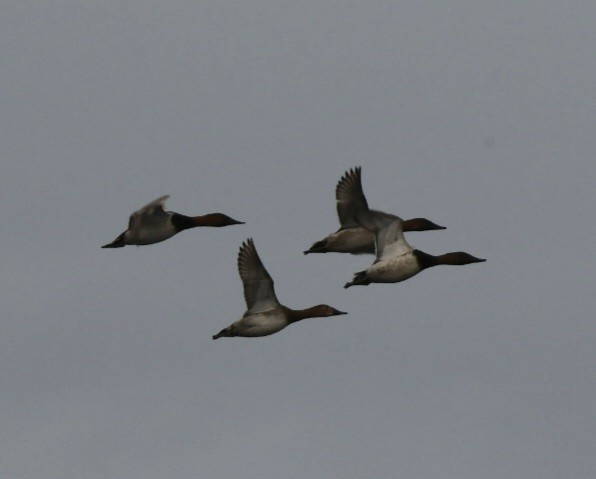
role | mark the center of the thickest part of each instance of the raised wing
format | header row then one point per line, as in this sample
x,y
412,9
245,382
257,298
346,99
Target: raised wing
x,y
350,197
152,212
389,235
258,284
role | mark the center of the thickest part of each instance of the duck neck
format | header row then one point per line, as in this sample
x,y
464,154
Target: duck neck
x,y
420,224
411,225
295,315
456,258
450,258
183,222
426,260
211,219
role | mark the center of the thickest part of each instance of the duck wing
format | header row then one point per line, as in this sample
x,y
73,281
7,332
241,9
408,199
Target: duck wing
x,y
152,213
387,228
258,284
389,234
350,197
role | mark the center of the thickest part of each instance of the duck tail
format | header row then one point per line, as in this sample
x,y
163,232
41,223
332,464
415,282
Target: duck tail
x,y
360,279
225,333
318,247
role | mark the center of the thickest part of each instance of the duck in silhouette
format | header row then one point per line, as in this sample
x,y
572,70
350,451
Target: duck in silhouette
x,y
395,259
353,238
264,314
152,224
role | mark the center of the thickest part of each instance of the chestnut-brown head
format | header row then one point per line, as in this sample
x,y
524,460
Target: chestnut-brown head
x,y
459,258
318,311
456,258
325,310
421,224
183,222
216,220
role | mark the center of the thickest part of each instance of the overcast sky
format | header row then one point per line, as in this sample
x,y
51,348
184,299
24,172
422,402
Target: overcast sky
x,y
477,115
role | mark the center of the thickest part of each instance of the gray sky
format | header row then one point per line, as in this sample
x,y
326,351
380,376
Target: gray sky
x,y
478,117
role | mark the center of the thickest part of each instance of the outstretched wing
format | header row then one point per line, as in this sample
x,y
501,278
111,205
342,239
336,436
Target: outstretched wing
x,y
352,207
389,234
350,198
258,284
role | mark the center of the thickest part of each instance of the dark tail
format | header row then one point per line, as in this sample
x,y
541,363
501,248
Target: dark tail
x,y
360,279
318,247
226,332
117,243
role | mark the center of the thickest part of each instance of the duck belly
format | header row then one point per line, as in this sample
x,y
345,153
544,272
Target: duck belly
x,y
152,235
394,270
260,324
352,240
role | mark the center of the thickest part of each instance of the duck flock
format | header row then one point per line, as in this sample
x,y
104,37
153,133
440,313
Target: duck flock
x,y
361,231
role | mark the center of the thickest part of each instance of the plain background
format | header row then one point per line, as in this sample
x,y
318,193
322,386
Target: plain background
x,y
477,115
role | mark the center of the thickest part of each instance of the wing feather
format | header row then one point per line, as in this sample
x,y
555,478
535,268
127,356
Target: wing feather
x,y
259,293
389,235
350,197
153,212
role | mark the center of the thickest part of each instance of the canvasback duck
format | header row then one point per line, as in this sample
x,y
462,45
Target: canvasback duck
x,y
152,224
265,315
353,238
395,260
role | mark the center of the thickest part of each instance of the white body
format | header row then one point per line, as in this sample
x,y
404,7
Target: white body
x,y
260,324
393,269
145,232
395,260
351,240
265,315
150,224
